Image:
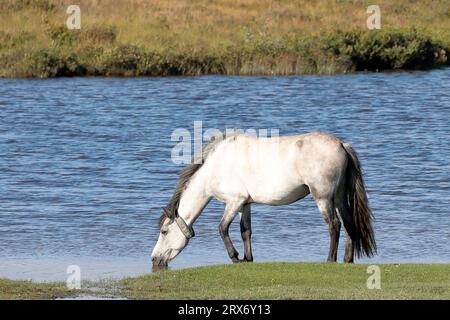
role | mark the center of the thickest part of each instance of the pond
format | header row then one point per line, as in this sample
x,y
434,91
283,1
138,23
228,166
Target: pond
x,y
85,166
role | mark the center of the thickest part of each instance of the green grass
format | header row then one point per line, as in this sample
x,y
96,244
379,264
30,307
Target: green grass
x,y
28,290
292,281
251,37
260,281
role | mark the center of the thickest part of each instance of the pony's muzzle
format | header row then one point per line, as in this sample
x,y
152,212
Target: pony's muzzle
x,y
158,262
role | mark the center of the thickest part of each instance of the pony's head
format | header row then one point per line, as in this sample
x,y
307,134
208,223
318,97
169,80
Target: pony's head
x,y
174,235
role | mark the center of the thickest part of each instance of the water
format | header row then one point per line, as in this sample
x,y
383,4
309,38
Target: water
x,y
85,166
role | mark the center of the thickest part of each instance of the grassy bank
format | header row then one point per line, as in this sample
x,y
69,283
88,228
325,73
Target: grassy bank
x,y
18,290
263,281
186,37
292,281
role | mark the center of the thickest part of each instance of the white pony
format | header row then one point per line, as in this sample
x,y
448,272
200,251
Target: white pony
x,y
241,169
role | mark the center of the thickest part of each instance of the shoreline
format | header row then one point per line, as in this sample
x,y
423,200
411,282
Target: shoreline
x,y
279,280
113,268
330,54
120,77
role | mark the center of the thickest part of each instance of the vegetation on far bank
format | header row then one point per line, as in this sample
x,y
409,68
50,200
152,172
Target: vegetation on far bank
x,y
259,281
184,37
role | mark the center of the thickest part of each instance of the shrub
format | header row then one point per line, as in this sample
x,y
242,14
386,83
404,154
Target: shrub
x,y
121,60
381,50
62,36
47,63
128,60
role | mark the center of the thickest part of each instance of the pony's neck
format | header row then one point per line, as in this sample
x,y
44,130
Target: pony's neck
x,y
194,199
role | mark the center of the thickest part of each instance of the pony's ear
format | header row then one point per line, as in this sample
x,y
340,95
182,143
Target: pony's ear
x,y
166,212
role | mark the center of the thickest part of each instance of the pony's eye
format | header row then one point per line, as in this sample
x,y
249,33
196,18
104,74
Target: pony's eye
x,y
163,232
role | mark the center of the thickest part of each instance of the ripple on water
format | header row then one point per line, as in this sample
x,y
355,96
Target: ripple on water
x,y
85,166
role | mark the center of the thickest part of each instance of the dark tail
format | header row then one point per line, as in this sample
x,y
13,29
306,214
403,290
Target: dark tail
x,y
364,238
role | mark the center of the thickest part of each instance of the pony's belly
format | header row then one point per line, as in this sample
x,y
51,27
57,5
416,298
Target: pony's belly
x,y
272,196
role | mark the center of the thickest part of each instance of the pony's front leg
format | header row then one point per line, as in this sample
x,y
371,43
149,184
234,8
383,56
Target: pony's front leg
x,y
246,232
231,209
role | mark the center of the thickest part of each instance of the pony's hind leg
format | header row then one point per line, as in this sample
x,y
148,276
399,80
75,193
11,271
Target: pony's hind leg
x,y
326,207
231,210
246,232
345,212
347,219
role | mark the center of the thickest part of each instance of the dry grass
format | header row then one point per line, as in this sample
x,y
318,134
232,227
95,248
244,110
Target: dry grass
x,y
202,36
27,290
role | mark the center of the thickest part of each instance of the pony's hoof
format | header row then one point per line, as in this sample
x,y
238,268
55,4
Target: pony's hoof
x,y
241,261
235,259
348,261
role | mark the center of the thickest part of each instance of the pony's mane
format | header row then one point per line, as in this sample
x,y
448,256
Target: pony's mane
x,y
171,211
